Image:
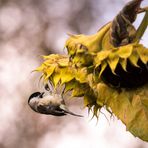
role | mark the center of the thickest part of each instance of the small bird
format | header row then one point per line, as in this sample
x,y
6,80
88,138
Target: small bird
x,y
49,104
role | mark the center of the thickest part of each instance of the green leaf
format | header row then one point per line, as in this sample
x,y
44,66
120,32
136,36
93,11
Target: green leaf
x,y
130,106
70,85
96,110
103,95
89,100
79,90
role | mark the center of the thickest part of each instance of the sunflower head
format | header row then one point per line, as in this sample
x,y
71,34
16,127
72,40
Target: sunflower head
x,y
108,69
123,67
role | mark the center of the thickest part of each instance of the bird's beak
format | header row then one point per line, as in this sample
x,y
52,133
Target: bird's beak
x,y
41,95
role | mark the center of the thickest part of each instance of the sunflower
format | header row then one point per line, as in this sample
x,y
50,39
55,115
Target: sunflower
x,y
108,69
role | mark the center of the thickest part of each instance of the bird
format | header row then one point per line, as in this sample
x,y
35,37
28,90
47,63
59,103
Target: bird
x,y
49,104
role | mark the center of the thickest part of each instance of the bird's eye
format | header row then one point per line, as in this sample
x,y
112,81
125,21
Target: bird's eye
x,y
47,87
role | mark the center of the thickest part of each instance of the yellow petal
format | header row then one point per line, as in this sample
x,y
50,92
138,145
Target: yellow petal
x,y
56,79
81,75
103,66
123,63
102,55
67,75
143,53
134,58
40,69
113,60
49,71
125,51
63,62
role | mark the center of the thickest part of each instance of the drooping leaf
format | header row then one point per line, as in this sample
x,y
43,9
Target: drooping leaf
x,y
103,95
70,85
122,30
96,111
93,43
89,99
80,90
129,106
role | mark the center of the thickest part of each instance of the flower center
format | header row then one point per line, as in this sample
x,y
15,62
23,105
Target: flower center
x,y
132,78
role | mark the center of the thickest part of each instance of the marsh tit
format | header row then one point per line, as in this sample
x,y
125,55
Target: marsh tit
x,y
49,104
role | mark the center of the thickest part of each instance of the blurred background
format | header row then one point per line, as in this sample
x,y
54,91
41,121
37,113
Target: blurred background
x,y
29,29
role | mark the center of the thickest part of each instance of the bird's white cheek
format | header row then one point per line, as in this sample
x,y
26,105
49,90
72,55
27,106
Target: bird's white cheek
x,y
33,104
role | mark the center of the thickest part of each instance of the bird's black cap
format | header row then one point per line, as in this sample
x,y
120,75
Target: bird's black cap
x,y
36,94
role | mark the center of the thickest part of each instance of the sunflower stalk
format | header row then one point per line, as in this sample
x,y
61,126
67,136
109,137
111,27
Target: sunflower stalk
x,y
141,10
143,26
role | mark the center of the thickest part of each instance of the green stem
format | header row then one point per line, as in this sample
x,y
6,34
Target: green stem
x,y
141,29
141,10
